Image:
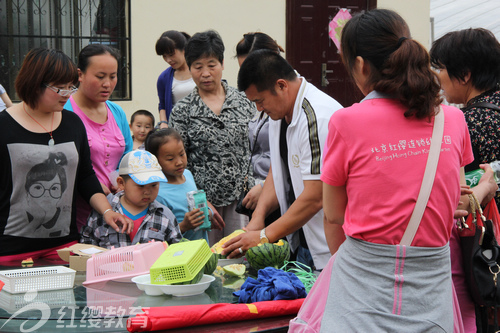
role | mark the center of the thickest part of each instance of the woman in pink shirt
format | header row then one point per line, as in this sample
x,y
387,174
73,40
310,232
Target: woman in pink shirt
x,y
106,123
374,162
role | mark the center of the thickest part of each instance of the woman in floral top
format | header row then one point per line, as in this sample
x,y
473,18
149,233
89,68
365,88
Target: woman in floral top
x,y
468,65
213,122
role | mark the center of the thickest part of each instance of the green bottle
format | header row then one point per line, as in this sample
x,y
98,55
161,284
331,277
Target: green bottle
x,y
472,177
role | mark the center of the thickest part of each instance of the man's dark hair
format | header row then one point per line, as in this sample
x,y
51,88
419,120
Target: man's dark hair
x,y
263,68
202,45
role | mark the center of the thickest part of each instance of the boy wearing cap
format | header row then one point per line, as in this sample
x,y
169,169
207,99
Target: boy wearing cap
x,y
138,184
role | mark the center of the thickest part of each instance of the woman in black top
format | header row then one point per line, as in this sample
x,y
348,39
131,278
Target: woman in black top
x,y
45,162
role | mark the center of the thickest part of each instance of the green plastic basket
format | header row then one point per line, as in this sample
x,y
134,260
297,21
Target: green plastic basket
x,y
180,262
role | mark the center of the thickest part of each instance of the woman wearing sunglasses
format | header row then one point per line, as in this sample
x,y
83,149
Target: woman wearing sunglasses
x,y
45,163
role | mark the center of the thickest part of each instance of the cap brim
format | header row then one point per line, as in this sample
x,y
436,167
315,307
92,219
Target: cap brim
x,y
145,178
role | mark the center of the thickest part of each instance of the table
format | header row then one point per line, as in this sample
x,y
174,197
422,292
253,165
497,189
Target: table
x,y
105,307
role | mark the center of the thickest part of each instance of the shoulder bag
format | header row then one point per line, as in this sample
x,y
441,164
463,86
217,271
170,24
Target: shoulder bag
x,y
481,259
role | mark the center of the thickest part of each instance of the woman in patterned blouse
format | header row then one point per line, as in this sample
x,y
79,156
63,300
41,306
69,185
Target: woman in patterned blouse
x,y
468,66
213,122
468,62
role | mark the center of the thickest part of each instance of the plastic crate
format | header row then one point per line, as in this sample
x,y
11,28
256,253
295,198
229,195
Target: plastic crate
x,y
123,263
39,279
181,262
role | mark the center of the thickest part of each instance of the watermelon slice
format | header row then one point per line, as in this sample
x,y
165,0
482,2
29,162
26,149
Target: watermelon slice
x,y
234,269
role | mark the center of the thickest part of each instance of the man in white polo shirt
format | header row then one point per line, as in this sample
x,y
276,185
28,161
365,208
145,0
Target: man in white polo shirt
x,y
297,132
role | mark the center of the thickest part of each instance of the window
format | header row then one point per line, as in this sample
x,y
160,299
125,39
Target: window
x,y
67,25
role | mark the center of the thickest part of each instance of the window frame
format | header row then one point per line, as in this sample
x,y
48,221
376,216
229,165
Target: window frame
x,y
67,25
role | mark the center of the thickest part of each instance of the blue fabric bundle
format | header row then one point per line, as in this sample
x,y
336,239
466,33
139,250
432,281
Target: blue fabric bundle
x,y
271,284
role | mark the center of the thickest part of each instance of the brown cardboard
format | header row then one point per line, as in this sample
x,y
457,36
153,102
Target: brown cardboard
x,y
76,258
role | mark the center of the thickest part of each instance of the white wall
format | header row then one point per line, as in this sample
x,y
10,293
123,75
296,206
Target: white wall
x,y
231,18
416,14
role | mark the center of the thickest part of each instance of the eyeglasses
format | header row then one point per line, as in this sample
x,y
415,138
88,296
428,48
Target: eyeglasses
x,y
37,190
63,92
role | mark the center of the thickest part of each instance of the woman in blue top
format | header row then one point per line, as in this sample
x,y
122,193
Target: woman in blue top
x,y
175,82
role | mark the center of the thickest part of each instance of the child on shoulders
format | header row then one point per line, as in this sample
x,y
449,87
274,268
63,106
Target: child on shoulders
x,y
141,123
167,145
138,184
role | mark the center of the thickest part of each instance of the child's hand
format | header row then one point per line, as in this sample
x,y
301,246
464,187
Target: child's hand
x,y
119,222
192,219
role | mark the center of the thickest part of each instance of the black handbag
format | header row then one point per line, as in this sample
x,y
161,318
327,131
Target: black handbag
x,y
481,259
239,207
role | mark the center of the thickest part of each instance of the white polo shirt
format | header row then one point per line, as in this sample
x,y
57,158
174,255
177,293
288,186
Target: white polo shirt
x,y
305,136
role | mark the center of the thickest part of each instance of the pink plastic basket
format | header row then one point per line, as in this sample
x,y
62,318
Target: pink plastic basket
x,y
122,264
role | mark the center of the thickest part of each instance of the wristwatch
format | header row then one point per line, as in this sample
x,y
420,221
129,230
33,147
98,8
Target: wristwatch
x,y
263,237
162,122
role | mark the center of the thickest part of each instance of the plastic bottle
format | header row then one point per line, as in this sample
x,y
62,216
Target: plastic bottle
x,y
472,177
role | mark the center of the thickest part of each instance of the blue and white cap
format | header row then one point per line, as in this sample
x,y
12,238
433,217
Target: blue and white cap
x,y
142,167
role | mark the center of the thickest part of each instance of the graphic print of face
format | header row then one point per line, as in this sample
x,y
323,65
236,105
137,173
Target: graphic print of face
x,y
45,185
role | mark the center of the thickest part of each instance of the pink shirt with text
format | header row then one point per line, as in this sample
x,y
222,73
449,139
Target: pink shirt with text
x,y
380,156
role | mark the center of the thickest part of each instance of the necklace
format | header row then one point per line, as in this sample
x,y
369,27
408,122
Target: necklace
x,y
51,141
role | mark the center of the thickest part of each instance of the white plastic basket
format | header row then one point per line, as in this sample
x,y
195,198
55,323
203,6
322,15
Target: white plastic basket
x,y
39,279
53,298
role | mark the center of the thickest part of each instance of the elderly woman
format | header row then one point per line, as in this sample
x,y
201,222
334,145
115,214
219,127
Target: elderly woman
x,y
213,122
467,63
45,163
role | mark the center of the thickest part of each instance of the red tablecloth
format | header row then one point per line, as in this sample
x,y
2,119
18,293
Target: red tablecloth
x,y
170,317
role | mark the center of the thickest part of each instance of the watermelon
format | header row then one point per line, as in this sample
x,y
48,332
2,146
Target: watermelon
x,y
211,264
195,280
234,270
268,255
217,247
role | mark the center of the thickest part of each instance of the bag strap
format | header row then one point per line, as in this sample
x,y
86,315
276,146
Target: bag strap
x,y
428,180
483,105
476,208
